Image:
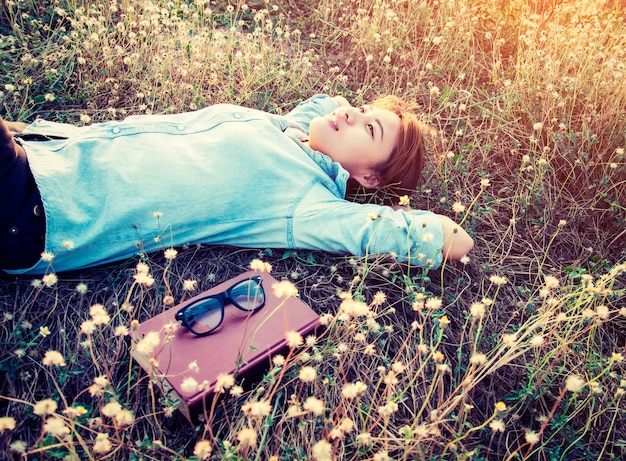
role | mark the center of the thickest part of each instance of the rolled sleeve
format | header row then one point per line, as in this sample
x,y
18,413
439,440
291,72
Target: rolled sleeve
x,y
316,106
415,237
424,236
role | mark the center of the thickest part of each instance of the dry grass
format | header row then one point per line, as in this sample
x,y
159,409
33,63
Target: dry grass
x,y
517,354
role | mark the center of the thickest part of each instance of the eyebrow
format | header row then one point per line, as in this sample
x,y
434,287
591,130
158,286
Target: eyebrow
x,y
382,131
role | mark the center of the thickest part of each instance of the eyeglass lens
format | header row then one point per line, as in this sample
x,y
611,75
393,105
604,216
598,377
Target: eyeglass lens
x,y
247,295
207,314
204,316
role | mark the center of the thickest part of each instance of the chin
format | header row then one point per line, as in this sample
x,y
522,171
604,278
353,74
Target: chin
x,y
315,134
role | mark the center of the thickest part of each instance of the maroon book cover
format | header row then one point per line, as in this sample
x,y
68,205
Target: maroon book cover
x,y
243,344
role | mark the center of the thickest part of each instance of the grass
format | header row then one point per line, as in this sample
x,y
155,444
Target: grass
x,y
517,353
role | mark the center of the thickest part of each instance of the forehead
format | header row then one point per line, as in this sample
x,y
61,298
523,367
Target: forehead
x,y
390,120
383,113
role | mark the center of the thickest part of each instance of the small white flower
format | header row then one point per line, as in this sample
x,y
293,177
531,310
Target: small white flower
x,y
497,425
307,374
81,288
121,331
260,266
314,405
458,207
284,289
49,280
224,381
247,437
148,343
574,383
531,437
478,358
294,339
189,285
88,327
322,451
203,449
47,256
189,385
45,407
53,358
170,254
278,360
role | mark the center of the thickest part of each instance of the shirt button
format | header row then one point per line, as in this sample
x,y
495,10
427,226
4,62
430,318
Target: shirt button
x,y
14,230
180,127
237,116
37,210
115,130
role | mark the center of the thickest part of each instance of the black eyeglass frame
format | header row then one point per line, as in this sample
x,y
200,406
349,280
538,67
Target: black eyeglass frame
x,y
223,298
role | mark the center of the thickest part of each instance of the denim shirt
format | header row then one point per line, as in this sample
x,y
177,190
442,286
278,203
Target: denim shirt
x,y
220,175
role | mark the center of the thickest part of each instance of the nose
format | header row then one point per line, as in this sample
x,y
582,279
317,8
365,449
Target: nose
x,y
351,115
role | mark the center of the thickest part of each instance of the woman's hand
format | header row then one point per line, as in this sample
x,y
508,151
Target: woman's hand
x,y
7,143
15,127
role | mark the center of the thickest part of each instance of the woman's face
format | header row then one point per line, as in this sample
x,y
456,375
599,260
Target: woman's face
x,y
361,139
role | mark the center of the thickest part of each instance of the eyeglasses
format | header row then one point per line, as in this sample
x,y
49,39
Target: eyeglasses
x,y
205,315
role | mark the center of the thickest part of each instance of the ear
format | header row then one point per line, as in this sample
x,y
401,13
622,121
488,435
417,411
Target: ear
x,y
369,181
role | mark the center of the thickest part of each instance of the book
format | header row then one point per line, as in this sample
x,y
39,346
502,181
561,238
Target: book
x,y
242,346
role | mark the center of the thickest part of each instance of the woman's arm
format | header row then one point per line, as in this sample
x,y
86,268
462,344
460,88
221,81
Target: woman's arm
x,y
7,143
340,100
456,242
14,127
319,105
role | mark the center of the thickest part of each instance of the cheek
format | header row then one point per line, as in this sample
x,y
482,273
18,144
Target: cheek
x,y
319,141
314,135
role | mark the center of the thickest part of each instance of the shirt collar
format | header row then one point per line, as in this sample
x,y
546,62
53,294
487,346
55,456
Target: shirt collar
x,y
337,174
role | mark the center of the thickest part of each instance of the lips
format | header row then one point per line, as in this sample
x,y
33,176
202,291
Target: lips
x,y
333,123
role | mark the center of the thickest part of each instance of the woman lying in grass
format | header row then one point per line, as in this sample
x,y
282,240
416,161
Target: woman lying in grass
x,y
221,175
